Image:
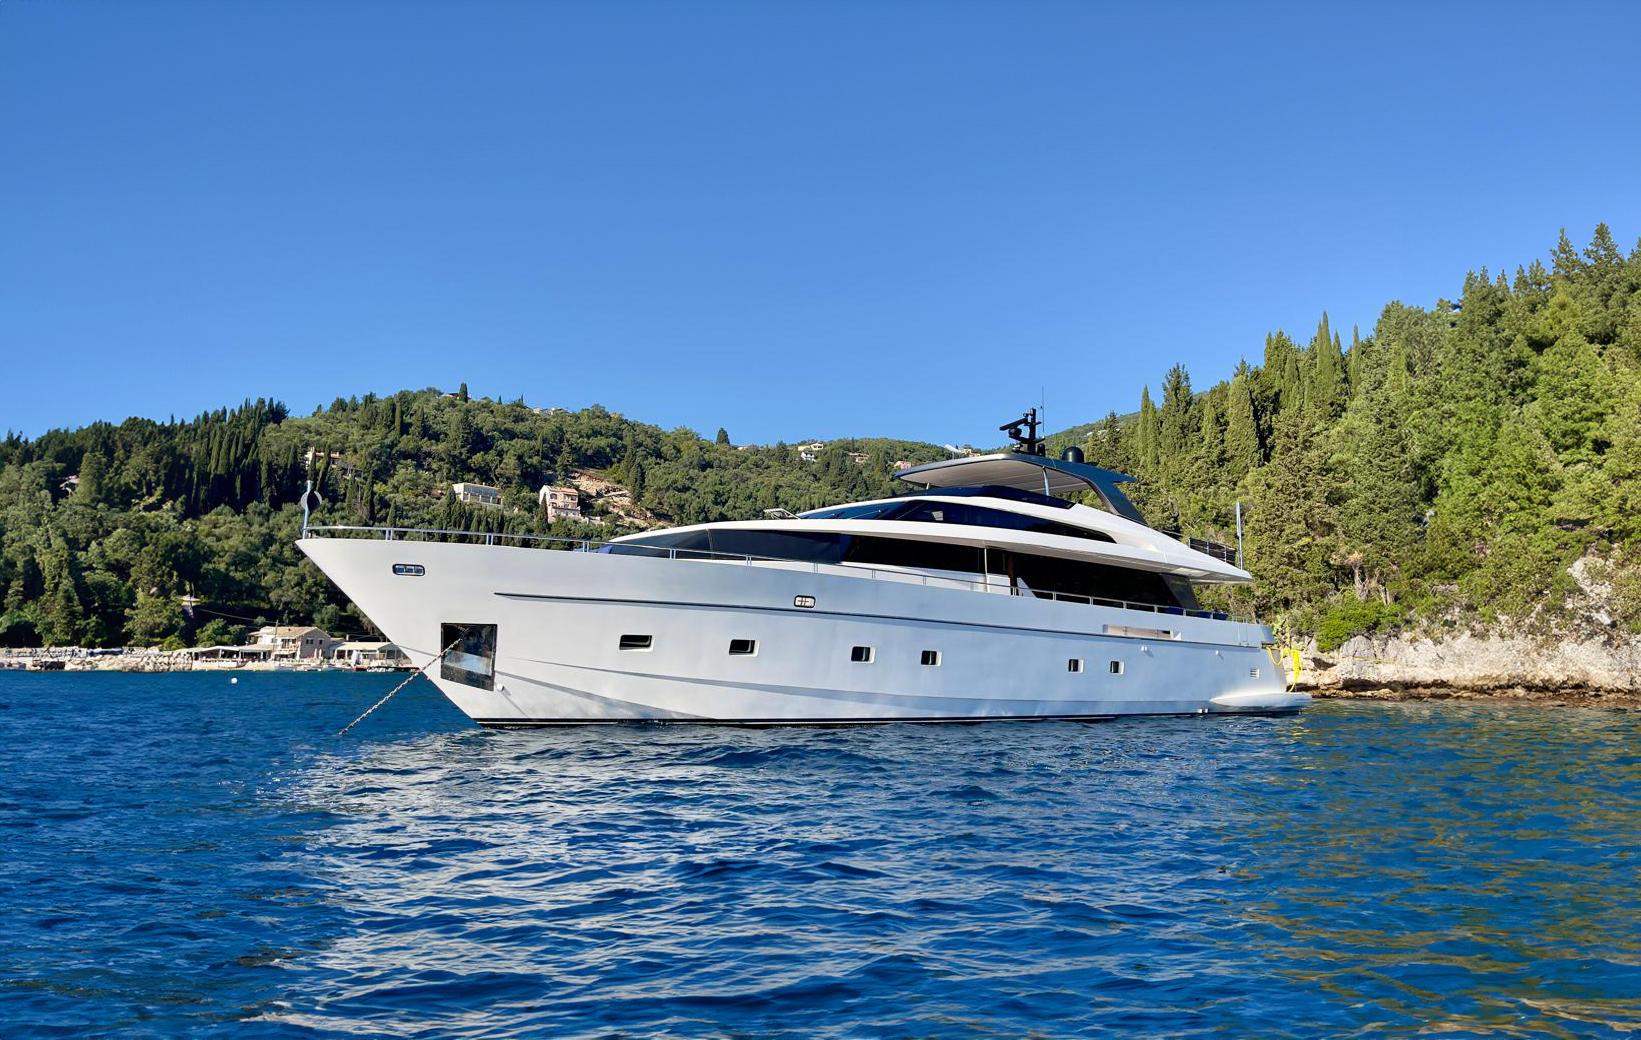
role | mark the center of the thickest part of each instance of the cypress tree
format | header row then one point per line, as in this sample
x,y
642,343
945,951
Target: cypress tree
x,y
1146,433
1211,436
1282,370
1177,416
1327,370
1241,431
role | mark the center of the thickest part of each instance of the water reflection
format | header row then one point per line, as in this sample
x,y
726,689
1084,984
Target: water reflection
x,y
1461,867
1387,869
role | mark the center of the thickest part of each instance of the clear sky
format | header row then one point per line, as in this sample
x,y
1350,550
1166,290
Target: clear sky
x,y
789,219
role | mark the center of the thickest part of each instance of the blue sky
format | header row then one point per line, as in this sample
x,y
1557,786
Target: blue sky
x,y
792,220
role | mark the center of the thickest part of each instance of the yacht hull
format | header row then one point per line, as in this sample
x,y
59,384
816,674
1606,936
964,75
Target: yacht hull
x,y
555,656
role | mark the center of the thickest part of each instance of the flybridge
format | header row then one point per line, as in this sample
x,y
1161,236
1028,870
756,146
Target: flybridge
x,y
1028,468
1022,472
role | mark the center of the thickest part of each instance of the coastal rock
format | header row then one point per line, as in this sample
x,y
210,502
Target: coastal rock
x,y
1495,664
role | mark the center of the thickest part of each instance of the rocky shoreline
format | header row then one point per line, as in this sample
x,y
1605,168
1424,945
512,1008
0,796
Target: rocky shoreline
x,y
1518,695
1595,671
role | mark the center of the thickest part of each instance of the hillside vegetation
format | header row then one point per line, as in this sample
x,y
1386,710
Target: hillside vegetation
x,y
183,532
1446,470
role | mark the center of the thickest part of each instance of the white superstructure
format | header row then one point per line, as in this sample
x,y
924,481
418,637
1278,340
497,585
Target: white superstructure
x,y
959,601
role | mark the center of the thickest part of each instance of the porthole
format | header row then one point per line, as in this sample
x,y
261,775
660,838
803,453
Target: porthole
x,y
861,655
743,647
1074,665
409,570
632,642
931,657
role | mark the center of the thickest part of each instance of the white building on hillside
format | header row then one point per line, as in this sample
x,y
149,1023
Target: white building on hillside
x,y
483,494
563,503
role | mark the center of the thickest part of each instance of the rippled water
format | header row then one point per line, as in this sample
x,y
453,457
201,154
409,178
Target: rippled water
x,y
181,856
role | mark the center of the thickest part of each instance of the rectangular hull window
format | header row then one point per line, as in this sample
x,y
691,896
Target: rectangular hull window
x,y
743,647
472,661
861,655
632,642
1074,665
1116,667
931,657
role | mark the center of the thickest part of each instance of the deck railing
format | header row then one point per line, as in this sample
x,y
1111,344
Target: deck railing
x,y
1218,550
424,534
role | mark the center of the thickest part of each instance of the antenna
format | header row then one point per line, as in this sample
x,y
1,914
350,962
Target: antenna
x,y
1027,443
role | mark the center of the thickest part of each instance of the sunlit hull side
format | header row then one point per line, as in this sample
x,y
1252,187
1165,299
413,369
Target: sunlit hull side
x,y
560,616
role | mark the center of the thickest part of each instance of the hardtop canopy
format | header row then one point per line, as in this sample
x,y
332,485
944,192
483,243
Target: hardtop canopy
x,y
1023,472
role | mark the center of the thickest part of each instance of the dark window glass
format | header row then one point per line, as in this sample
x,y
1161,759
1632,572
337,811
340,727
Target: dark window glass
x,y
780,545
866,512
687,544
1074,665
948,512
1184,595
861,655
931,657
471,661
631,642
1042,574
740,647
903,552
992,491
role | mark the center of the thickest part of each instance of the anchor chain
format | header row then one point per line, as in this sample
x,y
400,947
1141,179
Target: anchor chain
x,y
343,731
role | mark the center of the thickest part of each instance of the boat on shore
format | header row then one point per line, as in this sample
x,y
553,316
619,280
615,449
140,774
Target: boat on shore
x,y
978,594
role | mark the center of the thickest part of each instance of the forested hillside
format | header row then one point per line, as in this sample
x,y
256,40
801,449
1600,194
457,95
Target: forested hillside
x,y
183,532
1445,470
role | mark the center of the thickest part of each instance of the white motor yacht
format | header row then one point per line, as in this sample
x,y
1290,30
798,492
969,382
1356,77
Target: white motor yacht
x,y
980,594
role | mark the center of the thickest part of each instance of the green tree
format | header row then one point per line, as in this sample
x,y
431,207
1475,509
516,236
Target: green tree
x,y
92,489
1241,430
153,619
218,632
1147,434
1573,395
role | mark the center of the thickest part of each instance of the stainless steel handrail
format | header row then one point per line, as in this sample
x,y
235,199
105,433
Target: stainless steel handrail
x,y
674,553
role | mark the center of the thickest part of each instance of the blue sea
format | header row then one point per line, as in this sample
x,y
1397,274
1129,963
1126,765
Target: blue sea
x,y
183,856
